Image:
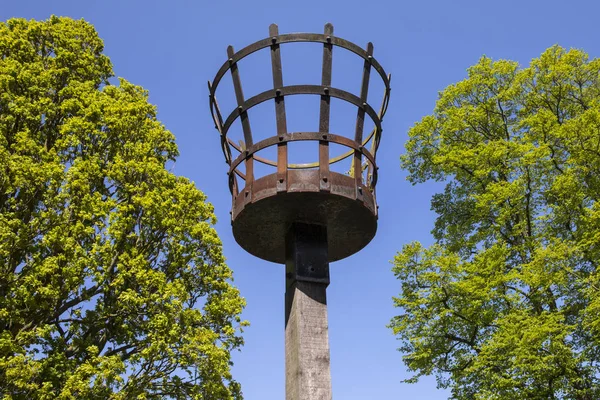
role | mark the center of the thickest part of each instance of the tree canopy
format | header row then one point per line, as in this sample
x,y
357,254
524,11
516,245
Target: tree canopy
x,y
506,303
113,283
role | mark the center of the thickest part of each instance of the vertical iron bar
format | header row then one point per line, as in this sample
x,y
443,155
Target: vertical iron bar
x,y
239,95
324,183
282,148
233,187
360,121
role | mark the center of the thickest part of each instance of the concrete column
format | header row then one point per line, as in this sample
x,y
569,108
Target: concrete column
x,y
307,360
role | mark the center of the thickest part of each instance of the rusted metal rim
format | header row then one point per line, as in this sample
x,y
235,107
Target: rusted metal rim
x,y
296,136
299,37
259,226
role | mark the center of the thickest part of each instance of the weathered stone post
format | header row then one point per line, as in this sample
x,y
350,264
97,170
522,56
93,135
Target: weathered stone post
x,y
306,339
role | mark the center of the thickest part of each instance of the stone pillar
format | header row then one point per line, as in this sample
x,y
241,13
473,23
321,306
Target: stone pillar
x,y
307,360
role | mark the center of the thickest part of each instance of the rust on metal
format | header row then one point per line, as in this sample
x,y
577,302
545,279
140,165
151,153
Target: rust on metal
x,y
360,122
264,208
325,106
282,149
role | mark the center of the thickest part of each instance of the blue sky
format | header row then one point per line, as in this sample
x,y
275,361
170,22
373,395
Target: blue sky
x,y
173,47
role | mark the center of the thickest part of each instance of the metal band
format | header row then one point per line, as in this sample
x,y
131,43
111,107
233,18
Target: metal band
x,y
298,37
295,90
296,136
302,166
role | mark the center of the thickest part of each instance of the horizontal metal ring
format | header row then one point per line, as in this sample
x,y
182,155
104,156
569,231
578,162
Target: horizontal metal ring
x,y
218,120
333,160
298,37
297,136
300,89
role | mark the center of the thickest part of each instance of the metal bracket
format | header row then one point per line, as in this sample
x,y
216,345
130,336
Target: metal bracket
x,y
306,254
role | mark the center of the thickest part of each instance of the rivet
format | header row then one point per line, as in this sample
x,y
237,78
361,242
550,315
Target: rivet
x,y
324,136
281,138
328,38
274,39
370,57
240,108
278,92
326,90
364,104
231,60
280,180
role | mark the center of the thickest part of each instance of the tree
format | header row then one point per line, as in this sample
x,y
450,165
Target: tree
x,y
506,303
113,282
